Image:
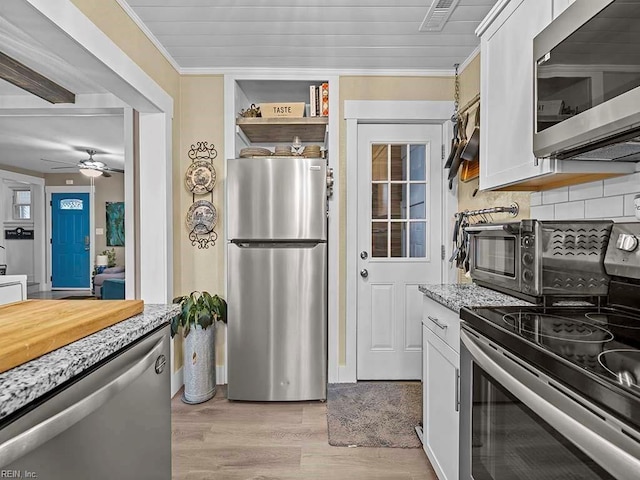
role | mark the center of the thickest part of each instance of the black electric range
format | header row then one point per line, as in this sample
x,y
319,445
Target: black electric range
x,y
593,349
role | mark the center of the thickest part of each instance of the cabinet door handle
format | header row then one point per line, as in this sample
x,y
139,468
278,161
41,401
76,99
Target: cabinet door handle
x,y
457,395
441,326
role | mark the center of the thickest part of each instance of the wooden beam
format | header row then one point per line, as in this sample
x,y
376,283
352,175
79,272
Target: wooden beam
x,y
22,76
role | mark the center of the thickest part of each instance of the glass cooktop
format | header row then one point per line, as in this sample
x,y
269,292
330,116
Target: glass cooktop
x,y
595,352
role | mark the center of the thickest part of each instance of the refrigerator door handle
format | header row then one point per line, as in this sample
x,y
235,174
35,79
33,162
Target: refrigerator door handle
x,y
258,244
37,435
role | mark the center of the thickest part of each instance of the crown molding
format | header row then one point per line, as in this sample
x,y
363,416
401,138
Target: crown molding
x,y
469,59
315,72
141,25
491,16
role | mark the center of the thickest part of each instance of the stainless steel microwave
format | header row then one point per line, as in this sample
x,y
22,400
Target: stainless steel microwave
x,y
587,83
532,259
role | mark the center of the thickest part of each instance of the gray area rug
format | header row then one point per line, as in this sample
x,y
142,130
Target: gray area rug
x,y
374,414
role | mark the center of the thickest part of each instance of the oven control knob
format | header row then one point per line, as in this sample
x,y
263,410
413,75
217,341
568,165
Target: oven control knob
x,y
626,242
527,259
527,241
527,275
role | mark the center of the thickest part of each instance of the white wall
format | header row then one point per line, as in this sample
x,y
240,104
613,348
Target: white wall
x,y
611,199
19,255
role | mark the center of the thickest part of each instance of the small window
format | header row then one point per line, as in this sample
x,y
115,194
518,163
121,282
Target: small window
x,y
22,204
71,204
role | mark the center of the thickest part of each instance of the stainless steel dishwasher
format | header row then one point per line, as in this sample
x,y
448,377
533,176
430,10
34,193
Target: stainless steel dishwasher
x,y
112,422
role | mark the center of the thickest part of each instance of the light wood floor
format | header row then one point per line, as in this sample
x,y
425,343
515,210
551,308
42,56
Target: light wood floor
x,y
222,440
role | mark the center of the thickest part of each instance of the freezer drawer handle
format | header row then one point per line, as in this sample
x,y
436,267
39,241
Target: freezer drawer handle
x,y
29,440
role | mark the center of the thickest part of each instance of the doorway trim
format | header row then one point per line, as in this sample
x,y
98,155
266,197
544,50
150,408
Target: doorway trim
x,y
92,224
380,111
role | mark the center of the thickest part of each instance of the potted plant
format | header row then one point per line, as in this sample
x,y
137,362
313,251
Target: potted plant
x,y
200,311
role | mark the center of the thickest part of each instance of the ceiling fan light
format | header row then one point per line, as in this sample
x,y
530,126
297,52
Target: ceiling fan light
x,y
90,172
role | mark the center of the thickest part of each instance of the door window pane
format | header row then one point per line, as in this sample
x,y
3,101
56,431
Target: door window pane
x,y
379,234
379,162
398,239
417,208
418,239
399,200
417,160
398,163
71,204
379,200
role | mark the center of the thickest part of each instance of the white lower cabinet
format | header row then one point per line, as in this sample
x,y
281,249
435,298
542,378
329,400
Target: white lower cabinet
x,y
441,397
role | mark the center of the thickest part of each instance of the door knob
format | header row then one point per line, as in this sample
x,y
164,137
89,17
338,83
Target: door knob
x,y
364,255
364,273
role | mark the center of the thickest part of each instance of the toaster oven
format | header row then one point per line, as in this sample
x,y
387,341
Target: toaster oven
x,y
532,259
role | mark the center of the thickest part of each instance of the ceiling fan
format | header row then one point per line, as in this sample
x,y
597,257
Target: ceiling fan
x,y
90,167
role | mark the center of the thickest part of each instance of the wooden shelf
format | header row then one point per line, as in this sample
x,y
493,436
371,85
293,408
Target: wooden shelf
x,y
282,130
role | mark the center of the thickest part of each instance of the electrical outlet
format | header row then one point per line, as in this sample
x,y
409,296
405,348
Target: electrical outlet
x,y
99,231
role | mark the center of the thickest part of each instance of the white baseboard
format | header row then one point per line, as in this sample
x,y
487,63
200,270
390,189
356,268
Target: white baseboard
x,y
176,382
221,375
346,374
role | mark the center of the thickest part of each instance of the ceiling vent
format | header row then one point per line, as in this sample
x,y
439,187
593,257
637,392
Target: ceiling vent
x,y
438,14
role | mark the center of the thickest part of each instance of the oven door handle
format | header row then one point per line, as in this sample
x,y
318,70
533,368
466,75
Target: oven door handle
x,y
612,449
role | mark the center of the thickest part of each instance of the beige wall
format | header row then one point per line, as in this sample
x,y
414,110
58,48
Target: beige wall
x,y
201,119
109,189
469,198
375,88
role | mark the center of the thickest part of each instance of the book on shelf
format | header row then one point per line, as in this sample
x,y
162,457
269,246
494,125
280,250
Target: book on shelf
x,y
312,100
319,100
324,100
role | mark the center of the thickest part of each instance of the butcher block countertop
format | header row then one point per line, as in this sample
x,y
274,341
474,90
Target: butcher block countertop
x,y
32,328
27,382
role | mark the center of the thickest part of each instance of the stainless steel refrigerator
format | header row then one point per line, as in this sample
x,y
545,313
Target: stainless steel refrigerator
x,y
277,278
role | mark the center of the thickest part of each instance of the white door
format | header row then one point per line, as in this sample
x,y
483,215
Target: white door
x,y
399,240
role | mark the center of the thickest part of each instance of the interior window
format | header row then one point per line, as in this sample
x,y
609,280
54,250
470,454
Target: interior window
x,y
22,204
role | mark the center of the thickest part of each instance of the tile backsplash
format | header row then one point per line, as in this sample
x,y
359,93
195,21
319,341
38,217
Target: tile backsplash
x,y
611,198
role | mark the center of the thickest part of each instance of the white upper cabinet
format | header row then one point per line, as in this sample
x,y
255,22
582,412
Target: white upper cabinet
x,y
560,6
507,102
506,92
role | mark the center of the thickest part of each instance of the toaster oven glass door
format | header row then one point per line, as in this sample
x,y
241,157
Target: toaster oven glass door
x,y
496,255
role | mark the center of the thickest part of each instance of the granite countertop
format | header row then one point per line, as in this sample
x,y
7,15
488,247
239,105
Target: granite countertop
x,y
29,381
455,296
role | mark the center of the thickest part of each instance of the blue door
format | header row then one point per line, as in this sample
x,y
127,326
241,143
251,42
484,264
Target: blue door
x,y
70,240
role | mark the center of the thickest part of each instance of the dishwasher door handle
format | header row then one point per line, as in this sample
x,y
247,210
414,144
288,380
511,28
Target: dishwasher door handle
x,y
30,439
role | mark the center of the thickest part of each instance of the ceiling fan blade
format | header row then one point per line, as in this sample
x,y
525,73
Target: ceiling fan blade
x,y
117,170
58,161
63,168
105,173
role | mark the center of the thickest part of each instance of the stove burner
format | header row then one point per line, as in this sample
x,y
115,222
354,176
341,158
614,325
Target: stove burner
x,y
615,319
623,364
557,327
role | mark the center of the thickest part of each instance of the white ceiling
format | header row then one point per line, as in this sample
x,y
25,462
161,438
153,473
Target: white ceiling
x,y
28,142
227,34
331,34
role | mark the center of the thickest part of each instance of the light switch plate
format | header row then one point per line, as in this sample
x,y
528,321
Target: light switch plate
x,y
69,182
99,231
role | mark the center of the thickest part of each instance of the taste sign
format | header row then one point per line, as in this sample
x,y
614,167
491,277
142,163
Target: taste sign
x,y
292,110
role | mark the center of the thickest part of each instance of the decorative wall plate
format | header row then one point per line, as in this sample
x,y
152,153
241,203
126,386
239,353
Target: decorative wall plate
x,y
202,217
200,177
